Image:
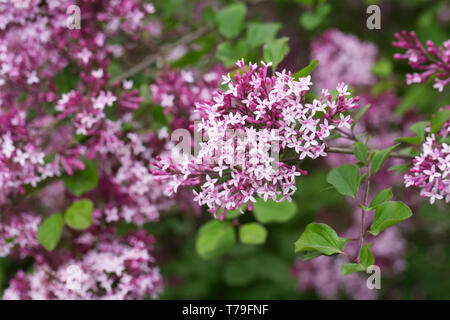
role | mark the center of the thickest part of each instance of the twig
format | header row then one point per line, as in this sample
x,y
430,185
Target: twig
x,y
363,216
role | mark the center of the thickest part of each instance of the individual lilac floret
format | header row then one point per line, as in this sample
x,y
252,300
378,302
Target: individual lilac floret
x,y
433,60
247,127
342,57
431,169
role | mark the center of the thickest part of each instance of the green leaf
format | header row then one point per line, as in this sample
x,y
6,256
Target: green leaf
x,y
229,54
252,233
50,230
233,214
82,180
79,214
360,114
320,237
215,238
261,33
308,255
312,20
380,157
367,258
419,128
306,71
275,51
410,140
348,268
381,197
209,14
439,119
360,151
400,168
231,19
382,68
388,214
271,211
239,273
345,179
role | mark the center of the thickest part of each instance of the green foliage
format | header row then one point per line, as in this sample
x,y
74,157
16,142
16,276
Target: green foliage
x,y
439,119
348,268
388,214
360,114
229,53
382,68
275,51
261,33
271,211
381,197
50,230
252,233
82,180
312,20
306,71
345,179
380,157
419,129
367,259
79,215
360,151
320,237
230,20
215,238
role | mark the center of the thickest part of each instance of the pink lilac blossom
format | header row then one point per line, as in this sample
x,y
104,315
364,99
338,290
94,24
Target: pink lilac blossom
x,y
35,44
432,61
342,58
256,117
134,194
108,268
18,235
431,169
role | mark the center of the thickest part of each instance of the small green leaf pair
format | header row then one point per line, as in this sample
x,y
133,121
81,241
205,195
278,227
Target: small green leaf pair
x,y
366,260
78,216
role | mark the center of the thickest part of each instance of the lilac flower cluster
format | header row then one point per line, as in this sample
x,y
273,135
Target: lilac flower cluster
x,y
246,126
109,268
342,58
431,169
432,61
